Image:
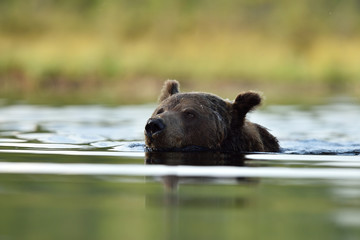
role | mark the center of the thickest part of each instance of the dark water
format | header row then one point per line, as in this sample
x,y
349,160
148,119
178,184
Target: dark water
x,y
80,172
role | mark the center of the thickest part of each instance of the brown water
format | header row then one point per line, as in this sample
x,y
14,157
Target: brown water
x,y
80,172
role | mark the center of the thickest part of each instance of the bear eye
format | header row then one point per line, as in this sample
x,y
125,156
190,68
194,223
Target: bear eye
x,y
189,114
161,110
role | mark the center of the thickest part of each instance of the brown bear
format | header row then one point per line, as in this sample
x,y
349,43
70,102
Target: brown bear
x,y
203,121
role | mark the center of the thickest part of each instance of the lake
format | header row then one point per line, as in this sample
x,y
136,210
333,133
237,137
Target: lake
x,y
80,172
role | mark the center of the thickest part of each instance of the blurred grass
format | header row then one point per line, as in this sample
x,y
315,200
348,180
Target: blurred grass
x,y
119,52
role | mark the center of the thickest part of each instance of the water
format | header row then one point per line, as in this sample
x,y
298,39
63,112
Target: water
x,y
80,172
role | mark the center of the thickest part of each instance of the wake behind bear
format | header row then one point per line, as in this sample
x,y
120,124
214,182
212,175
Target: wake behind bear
x,y
203,121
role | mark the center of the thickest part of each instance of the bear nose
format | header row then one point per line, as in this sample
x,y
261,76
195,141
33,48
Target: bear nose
x,y
154,125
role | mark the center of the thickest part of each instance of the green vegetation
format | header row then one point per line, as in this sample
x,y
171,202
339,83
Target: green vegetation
x,y
77,51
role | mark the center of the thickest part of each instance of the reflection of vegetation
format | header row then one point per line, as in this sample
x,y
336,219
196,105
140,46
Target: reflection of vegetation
x,y
89,207
97,48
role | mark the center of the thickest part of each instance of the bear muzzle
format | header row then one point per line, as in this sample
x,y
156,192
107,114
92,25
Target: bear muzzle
x,y
154,126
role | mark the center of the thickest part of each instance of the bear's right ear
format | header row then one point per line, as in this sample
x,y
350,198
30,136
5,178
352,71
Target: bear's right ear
x,y
244,103
170,87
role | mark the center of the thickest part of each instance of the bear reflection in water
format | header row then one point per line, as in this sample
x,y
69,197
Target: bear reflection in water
x,y
195,158
171,183
198,121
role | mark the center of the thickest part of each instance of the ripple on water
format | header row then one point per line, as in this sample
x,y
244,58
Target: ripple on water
x,y
180,171
314,146
68,138
17,145
315,130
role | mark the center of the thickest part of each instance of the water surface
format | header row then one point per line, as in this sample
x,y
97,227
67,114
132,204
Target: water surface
x,y
80,172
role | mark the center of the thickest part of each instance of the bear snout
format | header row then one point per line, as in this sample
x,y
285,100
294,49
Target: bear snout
x,y
153,126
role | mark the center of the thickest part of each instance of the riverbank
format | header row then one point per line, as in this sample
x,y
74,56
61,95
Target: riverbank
x,y
120,53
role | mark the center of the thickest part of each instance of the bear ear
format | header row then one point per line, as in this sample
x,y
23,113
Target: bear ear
x,y
169,88
244,103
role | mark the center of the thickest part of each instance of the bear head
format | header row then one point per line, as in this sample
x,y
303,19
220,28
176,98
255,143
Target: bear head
x,y
196,121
